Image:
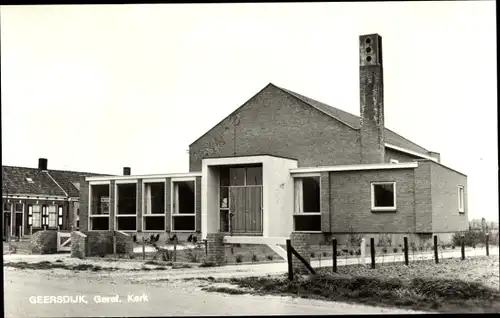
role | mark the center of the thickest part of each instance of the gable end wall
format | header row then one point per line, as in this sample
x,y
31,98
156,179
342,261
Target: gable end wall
x,y
275,123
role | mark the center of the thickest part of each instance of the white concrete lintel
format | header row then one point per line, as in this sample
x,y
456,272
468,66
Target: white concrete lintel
x,y
410,152
145,177
380,166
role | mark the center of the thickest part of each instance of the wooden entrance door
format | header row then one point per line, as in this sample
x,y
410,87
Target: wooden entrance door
x,y
246,206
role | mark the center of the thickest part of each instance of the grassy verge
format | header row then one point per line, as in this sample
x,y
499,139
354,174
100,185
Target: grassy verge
x,y
405,287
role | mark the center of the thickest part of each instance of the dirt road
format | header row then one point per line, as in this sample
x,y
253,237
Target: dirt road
x,y
162,298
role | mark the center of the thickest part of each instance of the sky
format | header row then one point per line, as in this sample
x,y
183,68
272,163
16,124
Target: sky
x,y
98,87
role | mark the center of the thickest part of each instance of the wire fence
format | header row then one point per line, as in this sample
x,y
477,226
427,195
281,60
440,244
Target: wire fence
x,y
382,248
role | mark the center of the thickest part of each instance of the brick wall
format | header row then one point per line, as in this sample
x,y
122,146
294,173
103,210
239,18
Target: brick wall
x,y
444,187
423,198
78,244
300,243
273,122
124,243
351,201
325,202
100,243
372,132
84,204
44,242
216,248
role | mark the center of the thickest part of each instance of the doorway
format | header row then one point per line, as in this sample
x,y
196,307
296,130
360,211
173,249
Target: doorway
x,y
18,224
6,225
241,200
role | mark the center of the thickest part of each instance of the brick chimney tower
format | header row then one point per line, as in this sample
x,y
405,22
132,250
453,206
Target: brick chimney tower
x,y
371,85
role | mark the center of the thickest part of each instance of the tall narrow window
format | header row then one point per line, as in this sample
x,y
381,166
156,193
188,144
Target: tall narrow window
x,y
126,213
461,201
183,216
52,216
154,206
307,214
383,196
99,207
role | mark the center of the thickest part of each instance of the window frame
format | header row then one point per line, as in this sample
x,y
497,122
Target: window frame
x,y
461,198
372,193
173,207
299,214
116,215
93,216
49,213
145,215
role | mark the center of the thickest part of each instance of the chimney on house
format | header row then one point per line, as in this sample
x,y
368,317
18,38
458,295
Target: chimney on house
x,y
42,164
126,171
371,85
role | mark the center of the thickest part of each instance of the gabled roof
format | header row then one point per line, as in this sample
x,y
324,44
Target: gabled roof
x,y
15,180
23,180
354,121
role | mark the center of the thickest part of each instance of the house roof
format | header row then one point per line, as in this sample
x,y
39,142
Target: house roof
x,y
354,121
23,180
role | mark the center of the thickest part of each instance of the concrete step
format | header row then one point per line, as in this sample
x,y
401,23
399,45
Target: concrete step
x,y
278,250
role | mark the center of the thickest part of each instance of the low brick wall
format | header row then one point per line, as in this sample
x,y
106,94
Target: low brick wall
x,y
44,242
78,244
216,248
124,243
300,243
99,243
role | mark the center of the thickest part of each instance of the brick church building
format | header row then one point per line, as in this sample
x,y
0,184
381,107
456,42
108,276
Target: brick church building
x,y
283,163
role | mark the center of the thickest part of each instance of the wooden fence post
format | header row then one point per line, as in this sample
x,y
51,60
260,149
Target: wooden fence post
x,y
462,243
206,247
436,256
372,251
289,259
487,244
406,250
334,254
143,249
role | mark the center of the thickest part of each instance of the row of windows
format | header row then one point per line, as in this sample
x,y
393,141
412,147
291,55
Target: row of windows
x,y
38,215
45,215
183,207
